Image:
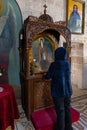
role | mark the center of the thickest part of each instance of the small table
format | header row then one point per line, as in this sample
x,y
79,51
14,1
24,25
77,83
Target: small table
x,y
8,107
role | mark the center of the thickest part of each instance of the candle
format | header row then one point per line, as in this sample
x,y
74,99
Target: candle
x,y
41,43
0,74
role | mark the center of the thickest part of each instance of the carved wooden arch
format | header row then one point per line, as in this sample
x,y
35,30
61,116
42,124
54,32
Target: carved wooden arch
x,y
37,26
34,90
32,28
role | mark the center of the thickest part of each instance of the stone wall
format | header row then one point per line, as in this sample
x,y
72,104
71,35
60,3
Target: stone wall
x,y
77,64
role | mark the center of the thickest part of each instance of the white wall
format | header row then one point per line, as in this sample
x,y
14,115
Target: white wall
x,y
56,8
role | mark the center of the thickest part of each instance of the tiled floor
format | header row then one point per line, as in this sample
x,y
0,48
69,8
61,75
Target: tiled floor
x,y
80,103
79,99
23,124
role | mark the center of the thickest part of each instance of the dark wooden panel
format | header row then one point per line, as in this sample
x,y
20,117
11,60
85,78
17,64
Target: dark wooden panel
x,y
42,95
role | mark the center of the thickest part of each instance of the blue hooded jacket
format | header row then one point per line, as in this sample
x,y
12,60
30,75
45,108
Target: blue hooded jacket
x,y
59,72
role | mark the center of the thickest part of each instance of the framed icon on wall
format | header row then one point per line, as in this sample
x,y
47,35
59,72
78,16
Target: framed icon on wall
x,y
75,16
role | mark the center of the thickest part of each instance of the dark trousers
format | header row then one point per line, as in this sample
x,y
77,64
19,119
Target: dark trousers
x,y
62,107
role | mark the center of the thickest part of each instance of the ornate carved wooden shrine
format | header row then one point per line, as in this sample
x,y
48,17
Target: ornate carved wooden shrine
x,y
39,38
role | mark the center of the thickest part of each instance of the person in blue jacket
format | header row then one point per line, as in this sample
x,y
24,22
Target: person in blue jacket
x,y
61,88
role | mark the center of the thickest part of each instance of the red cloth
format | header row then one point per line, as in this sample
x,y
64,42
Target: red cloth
x,y
8,107
46,119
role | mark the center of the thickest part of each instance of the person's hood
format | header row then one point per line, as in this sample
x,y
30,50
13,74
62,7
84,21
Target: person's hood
x,y
61,54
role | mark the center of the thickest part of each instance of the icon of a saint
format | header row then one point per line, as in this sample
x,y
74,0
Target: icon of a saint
x,y
74,22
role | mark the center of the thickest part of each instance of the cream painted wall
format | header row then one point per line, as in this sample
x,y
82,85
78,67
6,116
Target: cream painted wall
x,y
56,8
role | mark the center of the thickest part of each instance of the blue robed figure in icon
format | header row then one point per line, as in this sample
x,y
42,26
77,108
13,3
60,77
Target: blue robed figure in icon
x,y
74,22
10,25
